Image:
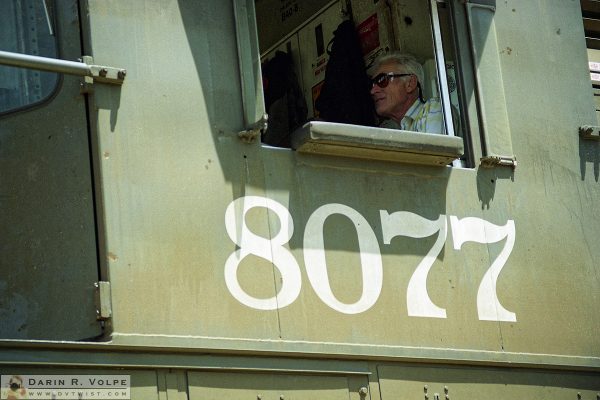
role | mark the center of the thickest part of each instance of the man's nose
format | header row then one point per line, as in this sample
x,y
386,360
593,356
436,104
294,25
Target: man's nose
x,y
374,89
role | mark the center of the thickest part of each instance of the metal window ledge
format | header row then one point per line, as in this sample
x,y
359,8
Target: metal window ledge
x,y
366,142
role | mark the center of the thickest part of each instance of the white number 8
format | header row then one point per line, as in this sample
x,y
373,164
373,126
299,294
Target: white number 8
x,y
271,250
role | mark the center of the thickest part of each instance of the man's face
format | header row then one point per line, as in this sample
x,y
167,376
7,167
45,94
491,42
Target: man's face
x,y
393,100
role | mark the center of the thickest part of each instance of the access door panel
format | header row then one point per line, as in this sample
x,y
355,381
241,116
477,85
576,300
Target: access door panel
x,y
244,386
47,230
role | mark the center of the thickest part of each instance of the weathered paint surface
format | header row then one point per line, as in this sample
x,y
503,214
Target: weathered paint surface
x,y
522,238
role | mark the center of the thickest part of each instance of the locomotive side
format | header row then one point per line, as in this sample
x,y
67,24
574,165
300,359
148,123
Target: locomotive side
x,y
225,267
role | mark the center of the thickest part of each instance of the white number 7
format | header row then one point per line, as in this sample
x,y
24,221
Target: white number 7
x,y
477,230
404,223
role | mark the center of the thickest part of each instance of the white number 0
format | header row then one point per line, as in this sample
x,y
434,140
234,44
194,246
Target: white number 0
x,y
370,259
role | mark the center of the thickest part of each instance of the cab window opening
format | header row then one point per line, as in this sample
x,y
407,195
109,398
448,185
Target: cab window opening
x,y
590,11
296,80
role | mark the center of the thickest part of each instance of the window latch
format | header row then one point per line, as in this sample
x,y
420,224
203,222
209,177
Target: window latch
x,y
589,132
255,130
498,161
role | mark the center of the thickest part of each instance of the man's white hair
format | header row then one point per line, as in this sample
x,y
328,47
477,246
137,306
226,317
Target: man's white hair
x,y
407,62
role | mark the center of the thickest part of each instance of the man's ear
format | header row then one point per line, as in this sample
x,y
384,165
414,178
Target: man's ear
x,y
411,84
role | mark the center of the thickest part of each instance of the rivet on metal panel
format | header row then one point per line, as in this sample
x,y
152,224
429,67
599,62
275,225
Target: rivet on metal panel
x,y
259,397
363,391
425,388
436,396
121,74
281,397
579,395
103,72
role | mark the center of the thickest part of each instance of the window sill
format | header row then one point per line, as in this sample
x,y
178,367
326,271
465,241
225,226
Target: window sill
x,y
366,142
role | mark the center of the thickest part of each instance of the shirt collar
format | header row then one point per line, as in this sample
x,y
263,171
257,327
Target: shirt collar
x,y
413,110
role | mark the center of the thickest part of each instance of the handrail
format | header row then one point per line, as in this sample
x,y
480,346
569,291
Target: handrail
x,y
86,68
45,64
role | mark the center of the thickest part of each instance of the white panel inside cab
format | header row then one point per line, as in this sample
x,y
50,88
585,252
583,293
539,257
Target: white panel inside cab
x,y
313,39
277,18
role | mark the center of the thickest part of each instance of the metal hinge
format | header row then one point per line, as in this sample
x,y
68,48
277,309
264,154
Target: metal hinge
x,y
103,301
502,161
589,132
254,131
100,73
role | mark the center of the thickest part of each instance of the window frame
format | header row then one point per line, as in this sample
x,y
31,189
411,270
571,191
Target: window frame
x,y
492,149
590,12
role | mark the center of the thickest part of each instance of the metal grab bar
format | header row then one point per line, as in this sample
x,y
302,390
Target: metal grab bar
x,y
45,63
86,68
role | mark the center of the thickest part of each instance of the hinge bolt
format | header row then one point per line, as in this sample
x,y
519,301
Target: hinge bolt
x,y
363,391
579,395
259,397
103,72
121,74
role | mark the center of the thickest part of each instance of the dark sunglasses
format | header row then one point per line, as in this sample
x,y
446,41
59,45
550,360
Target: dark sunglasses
x,y
383,79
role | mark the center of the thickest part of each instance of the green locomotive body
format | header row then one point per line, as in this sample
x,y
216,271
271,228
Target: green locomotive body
x,y
147,232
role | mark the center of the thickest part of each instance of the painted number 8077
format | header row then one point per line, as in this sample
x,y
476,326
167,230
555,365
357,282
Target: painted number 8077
x,y
400,223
